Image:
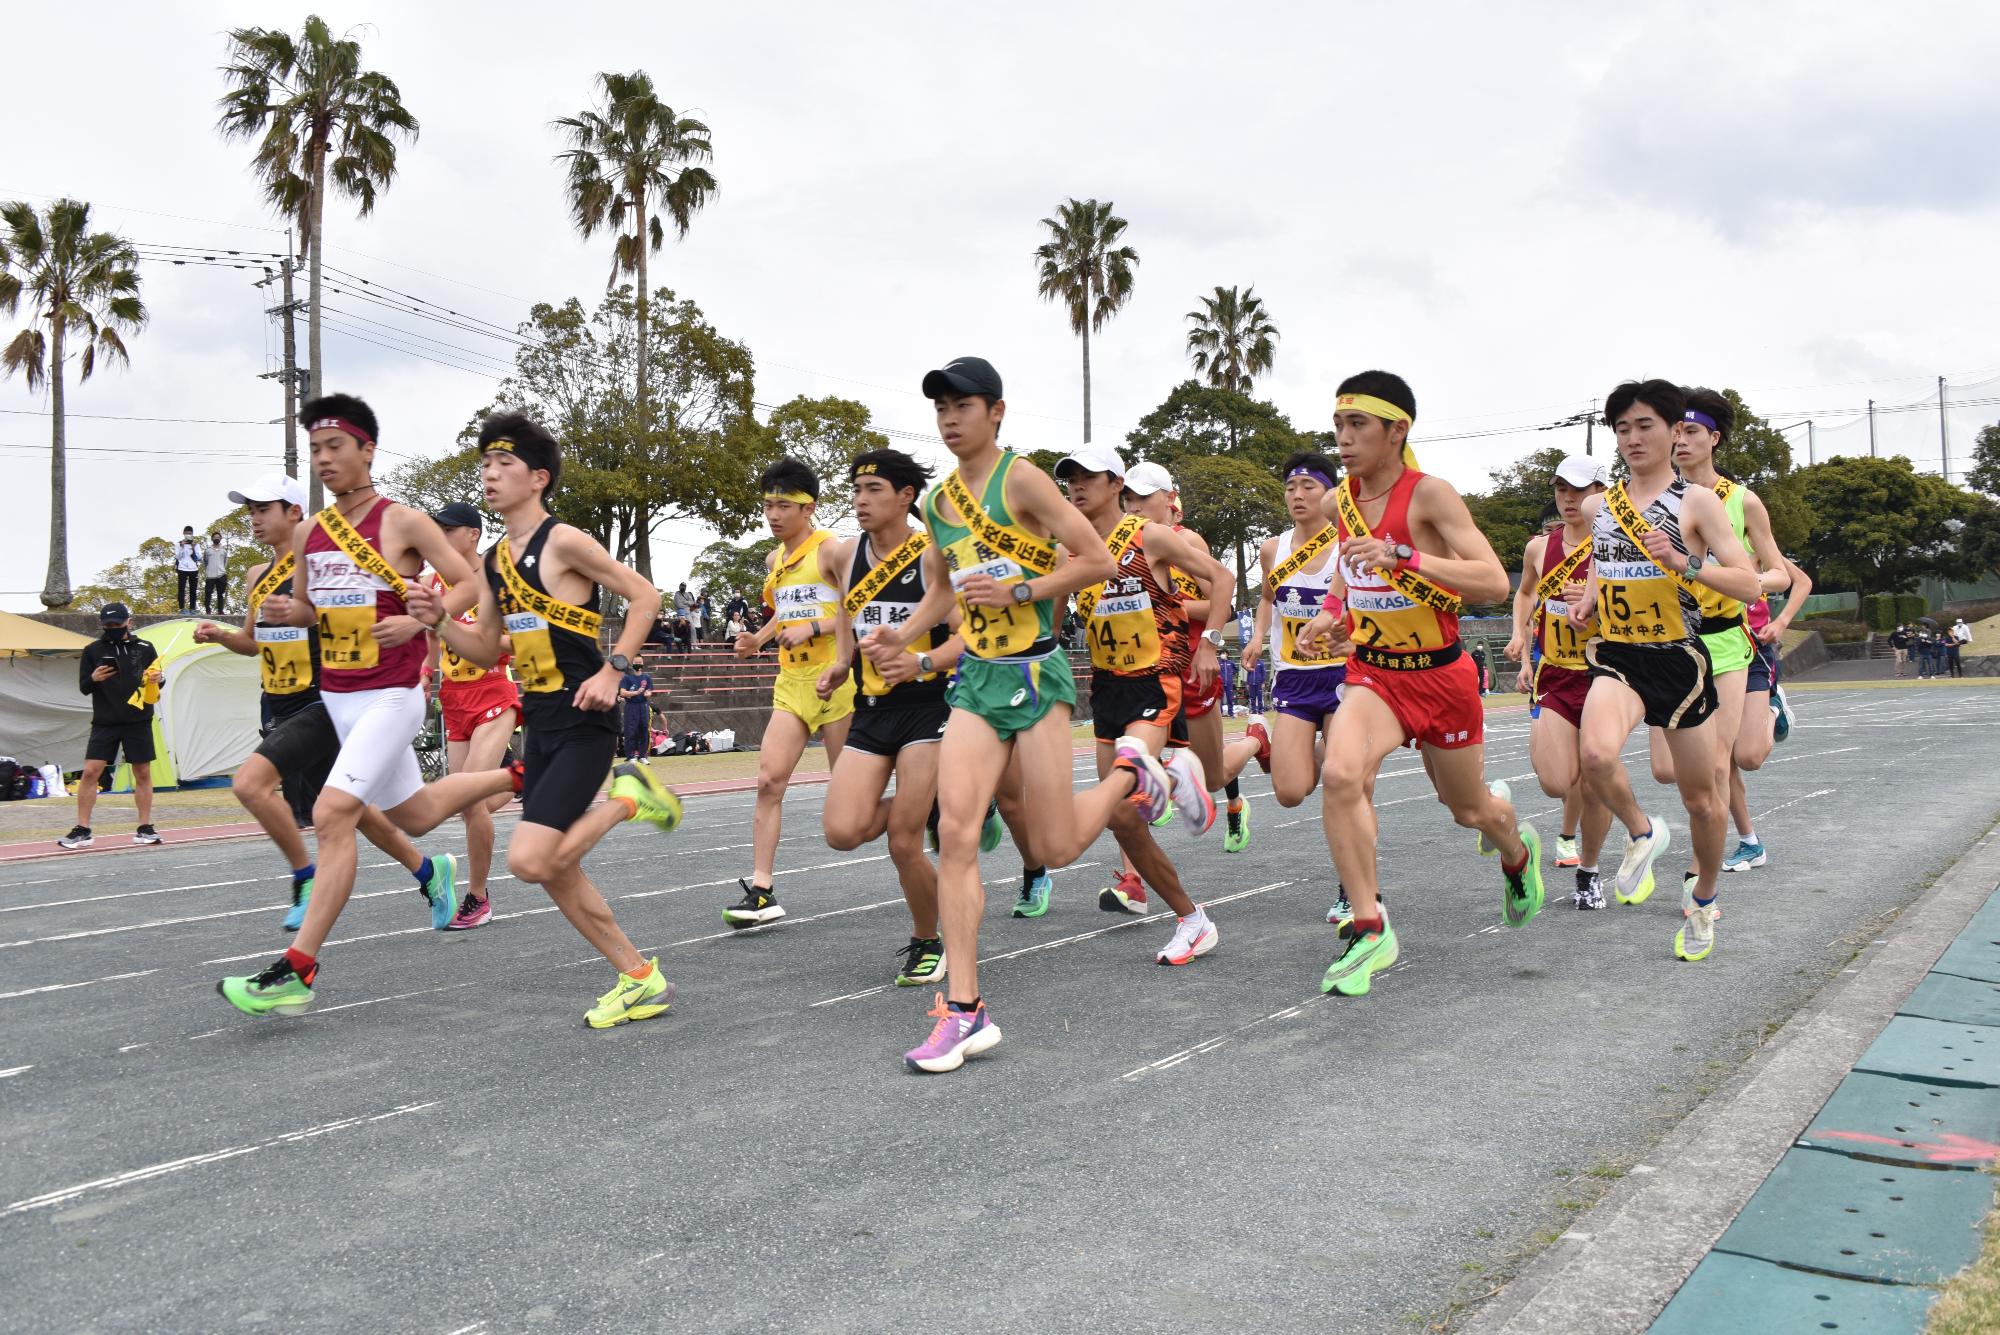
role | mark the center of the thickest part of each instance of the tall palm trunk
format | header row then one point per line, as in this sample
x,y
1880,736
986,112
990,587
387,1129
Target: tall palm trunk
x,y
313,380
642,519
1086,374
55,588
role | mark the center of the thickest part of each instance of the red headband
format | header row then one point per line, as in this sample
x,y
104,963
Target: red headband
x,y
341,424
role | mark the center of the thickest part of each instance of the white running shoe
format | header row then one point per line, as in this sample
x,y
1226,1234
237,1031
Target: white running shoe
x,y
1153,791
1697,934
1500,789
1635,873
1191,795
1194,937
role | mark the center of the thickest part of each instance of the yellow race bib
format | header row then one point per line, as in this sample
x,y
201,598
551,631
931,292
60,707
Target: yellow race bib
x,y
284,659
347,628
534,655
992,632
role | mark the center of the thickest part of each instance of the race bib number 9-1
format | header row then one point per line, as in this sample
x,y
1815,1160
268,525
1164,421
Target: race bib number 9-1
x,y
534,655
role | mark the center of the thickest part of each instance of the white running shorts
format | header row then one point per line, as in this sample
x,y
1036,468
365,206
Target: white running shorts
x,y
376,762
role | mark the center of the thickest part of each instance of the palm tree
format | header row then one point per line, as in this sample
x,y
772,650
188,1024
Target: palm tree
x,y
1083,267
316,114
1233,339
629,156
75,279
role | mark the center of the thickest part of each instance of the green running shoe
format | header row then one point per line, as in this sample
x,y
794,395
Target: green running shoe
x,y
923,962
1523,897
1236,830
442,890
993,830
1500,789
1034,900
1166,818
652,801
1360,956
278,990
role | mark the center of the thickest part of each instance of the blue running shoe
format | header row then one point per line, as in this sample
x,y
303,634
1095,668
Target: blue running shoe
x,y
1748,853
442,890
295,917
1781,726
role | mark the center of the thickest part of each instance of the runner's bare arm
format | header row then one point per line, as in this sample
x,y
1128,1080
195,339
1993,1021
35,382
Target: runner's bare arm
x,y
840,552
241,639
1186,551
1469,567
1736,576
478,643
1327,630
1774,572
1795,598
1525,601
296,610
409,527
1260,625
577,551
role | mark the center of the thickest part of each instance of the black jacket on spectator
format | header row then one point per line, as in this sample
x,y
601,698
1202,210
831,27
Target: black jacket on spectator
x,y
111,701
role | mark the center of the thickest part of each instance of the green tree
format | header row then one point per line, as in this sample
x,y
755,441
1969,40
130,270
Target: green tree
x,y
146,583
1980,539
1232,503
1758,455
432,484
724,568
77,282
1082,266
1519,504
1880,526
826,434
318,119
632,160
1233,340
1984,475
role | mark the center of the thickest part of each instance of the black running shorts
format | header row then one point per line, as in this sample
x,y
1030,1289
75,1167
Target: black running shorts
x,y
1116,703
302,743
885,732
562,768
108,739
1673,680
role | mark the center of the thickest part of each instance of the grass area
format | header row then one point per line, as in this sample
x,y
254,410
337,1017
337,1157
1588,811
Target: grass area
x,y
1970,1303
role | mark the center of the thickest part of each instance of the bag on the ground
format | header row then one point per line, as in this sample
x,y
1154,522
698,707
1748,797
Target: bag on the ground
x,y
10,774
52,781
722,739
688,743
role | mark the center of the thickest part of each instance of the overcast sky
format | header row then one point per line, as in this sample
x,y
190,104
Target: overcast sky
x,y
1515,206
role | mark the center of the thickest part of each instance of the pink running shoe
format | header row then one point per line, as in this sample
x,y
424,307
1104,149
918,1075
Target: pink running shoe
x,y
1191,795
472,912
956,1036
1152,790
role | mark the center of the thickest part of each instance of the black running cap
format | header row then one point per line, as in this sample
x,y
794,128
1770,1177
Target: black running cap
x,y
963,375
457,514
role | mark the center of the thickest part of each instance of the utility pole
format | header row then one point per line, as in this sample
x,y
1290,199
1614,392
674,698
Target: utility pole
x,y
291,375
1944,437
1871,428
1589,422
1812,444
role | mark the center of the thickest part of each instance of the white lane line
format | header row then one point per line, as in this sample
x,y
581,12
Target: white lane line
x,y
126,1179
478,1326
64,987
1211,1044
1817,792
172,889
174,922
731,880
15,1070
1811,755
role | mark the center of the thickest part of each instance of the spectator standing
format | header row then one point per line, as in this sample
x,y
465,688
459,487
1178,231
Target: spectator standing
x,y
706,608
1899,642
635,689
737,609
1479,661
120,675
215,575
187,571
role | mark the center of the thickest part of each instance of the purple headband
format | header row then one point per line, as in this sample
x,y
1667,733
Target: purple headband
x,y
1313,473
1696,415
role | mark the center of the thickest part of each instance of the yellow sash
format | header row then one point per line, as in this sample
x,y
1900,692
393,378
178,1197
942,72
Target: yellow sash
x,y
347,616
1552,583
535,664
358,550
1636,528
1008,540
819,650
1562,645
284,653
1302,556
1716,605
1403,579
890,566
1124,632
1115,542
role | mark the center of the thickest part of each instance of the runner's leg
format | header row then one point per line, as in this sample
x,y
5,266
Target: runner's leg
x,y
1135,837
909,811
483,752
336,815
778,755
1701,793
1364,731
1459,776
1294,765
552,859
256,788
971,759
1610,712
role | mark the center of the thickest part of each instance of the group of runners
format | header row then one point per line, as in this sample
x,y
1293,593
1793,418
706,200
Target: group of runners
x,y
924,653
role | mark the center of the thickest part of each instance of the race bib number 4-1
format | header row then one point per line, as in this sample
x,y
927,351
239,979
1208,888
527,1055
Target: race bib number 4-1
x,y
347,629
534,654
1124,637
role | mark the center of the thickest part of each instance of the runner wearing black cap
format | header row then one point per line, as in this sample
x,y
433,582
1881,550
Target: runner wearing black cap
x,y
299,742
119,675
994,524
481,709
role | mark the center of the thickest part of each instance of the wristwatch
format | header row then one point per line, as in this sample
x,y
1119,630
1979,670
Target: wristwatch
x,y
1402,551
925,665
1022,593
1213,636
620,661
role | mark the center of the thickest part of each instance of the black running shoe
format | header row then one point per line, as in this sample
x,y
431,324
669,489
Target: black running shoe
x,y
146,834
757,907
78,837
1589,890
923,962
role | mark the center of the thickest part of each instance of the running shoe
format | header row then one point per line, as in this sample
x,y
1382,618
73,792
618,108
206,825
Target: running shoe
x,y
1697,934
1034,900
652,801
994,830
923,962
78,837
1152,790
1236,829
1126,895
1362,954
295,916
1257,733
1566,851
758,906
146,834
1194,936
1191,793
1589,890
1342,910
277,989
1688,882
517,770
956,1036
632,999
1635,873
442,890
1781,726
1522,899
1748,853
1505,792
473,911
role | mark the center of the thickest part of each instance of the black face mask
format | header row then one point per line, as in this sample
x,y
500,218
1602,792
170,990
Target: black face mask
x,y
116,632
